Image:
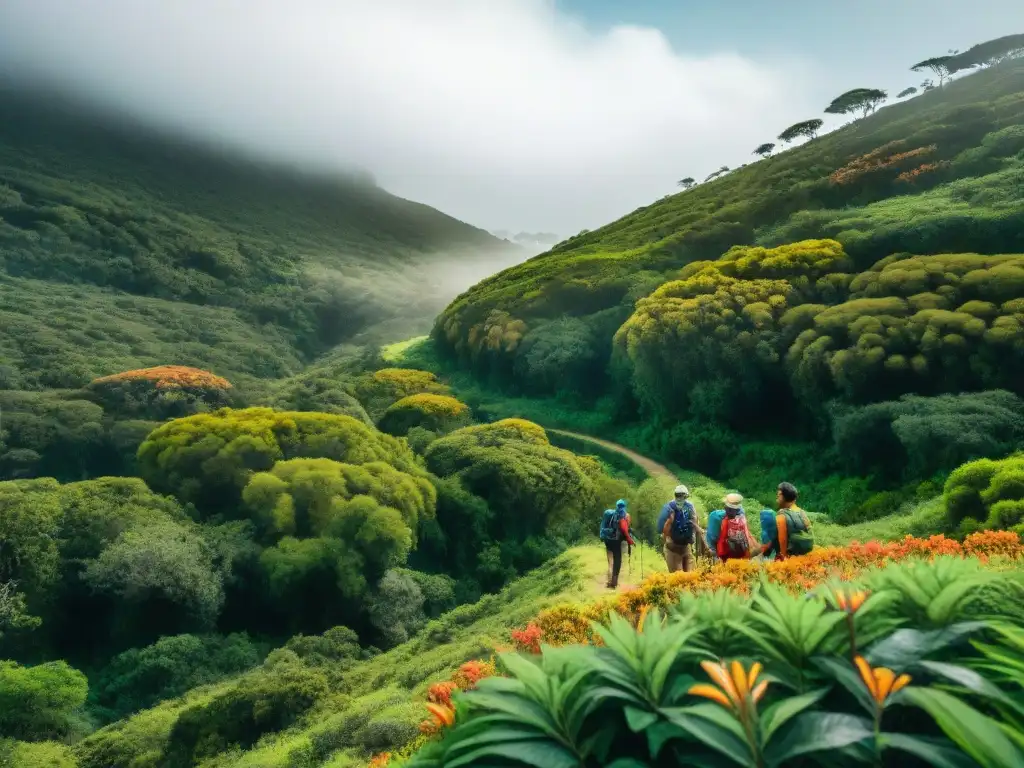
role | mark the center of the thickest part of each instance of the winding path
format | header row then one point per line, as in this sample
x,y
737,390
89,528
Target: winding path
x,y
651,467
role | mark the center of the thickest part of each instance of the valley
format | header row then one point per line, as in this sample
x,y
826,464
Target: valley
x,y
297,473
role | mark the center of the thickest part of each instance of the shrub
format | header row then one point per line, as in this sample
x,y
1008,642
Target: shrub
x,y
167,391
259,703
142,677
396,610
36,702
380,389
437,413
987,492
207,459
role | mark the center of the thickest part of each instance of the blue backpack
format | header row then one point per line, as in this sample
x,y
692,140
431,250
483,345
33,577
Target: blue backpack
x,y
682,523
610,530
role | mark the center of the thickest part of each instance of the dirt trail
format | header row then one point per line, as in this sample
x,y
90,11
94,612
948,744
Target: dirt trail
x,y
631,572
653,468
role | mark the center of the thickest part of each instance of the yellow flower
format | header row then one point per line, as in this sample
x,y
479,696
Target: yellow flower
x,y
850,601
880,682
736,685
643,615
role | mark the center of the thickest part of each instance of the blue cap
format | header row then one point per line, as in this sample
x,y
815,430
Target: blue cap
x,y
620,503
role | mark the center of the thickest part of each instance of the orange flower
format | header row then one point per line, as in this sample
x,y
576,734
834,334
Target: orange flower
x,y
736,687
380,761
441,693
643,615
881,682
850,601
445,716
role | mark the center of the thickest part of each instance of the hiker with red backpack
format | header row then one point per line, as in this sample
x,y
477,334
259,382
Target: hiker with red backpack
x,y
680,530
615,530
728,534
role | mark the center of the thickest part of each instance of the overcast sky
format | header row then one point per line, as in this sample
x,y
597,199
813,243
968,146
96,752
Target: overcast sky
x,y
510,114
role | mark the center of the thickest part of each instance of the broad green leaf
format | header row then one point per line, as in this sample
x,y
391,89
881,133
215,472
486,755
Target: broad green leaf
x,y
662,732
905,647
639,719
933,753
777,715
977,735
847,676
944,605
548,754
628,762
971,680
714,728
817,732
505,735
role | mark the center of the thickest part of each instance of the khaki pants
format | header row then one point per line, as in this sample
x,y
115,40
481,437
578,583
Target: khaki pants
x,y
678,559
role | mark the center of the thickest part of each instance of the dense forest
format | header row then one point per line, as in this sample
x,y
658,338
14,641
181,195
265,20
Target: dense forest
x,y
239,530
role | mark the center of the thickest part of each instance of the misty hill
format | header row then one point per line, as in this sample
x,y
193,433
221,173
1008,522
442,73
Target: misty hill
x,y
939,173
122,247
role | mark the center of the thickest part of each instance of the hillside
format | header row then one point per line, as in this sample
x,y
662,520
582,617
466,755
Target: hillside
x,y
966,136
847,312
121,247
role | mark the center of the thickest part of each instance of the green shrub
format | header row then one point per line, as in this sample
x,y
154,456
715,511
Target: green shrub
x,y
437,413
36,702
987,492
259,703
207,459
47,754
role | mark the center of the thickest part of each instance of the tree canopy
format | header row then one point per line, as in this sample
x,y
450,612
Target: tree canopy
x,y
940,65
906,92
863,100
806,128
764,149
207,459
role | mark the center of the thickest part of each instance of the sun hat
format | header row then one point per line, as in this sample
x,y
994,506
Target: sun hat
x,y
733,501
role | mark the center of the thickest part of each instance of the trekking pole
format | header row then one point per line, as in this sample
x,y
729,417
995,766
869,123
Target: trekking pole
x,y
641,544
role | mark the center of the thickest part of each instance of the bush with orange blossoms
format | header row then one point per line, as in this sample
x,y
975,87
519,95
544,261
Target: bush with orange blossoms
x,y
472,672
569,624
169,377
527,639
921,170
441,693
883,158
381,760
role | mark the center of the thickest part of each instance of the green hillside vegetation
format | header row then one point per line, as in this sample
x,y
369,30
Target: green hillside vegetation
x,y
158,251
866,284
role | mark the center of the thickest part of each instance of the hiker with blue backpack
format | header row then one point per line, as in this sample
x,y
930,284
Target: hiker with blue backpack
x,y
615,530
680,530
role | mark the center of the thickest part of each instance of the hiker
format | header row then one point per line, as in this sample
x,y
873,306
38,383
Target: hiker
x,y
615,529
787,533
731,538
679,529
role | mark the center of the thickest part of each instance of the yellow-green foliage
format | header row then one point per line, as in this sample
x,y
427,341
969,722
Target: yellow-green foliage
x,y
712,342
207,459
918,324
987,494
45,754
438,413
511,464
968,201
712,339
380,389
309,497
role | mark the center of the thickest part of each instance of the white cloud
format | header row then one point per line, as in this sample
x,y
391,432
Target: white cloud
x,y
501,112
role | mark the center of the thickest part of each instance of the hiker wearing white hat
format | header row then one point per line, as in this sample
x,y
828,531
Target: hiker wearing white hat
x,y
680,530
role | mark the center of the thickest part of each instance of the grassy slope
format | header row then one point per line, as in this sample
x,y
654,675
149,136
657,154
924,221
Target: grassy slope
x,y
224,251
785,198
375,696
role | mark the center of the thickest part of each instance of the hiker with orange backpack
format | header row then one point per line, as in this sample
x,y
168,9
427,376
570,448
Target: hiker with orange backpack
x,y
728,534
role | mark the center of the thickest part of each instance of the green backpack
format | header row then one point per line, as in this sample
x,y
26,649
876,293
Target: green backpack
x,y
798,529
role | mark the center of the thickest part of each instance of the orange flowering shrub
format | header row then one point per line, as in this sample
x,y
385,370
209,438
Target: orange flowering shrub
x,y
381,760
169,377
441,693
912,175
527,639
166,391
472,672
569,624
881,159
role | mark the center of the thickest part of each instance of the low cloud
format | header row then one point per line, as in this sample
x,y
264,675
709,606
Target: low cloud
x,y
504,113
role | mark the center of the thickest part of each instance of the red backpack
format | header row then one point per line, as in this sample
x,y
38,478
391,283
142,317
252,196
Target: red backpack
x,y
734,539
